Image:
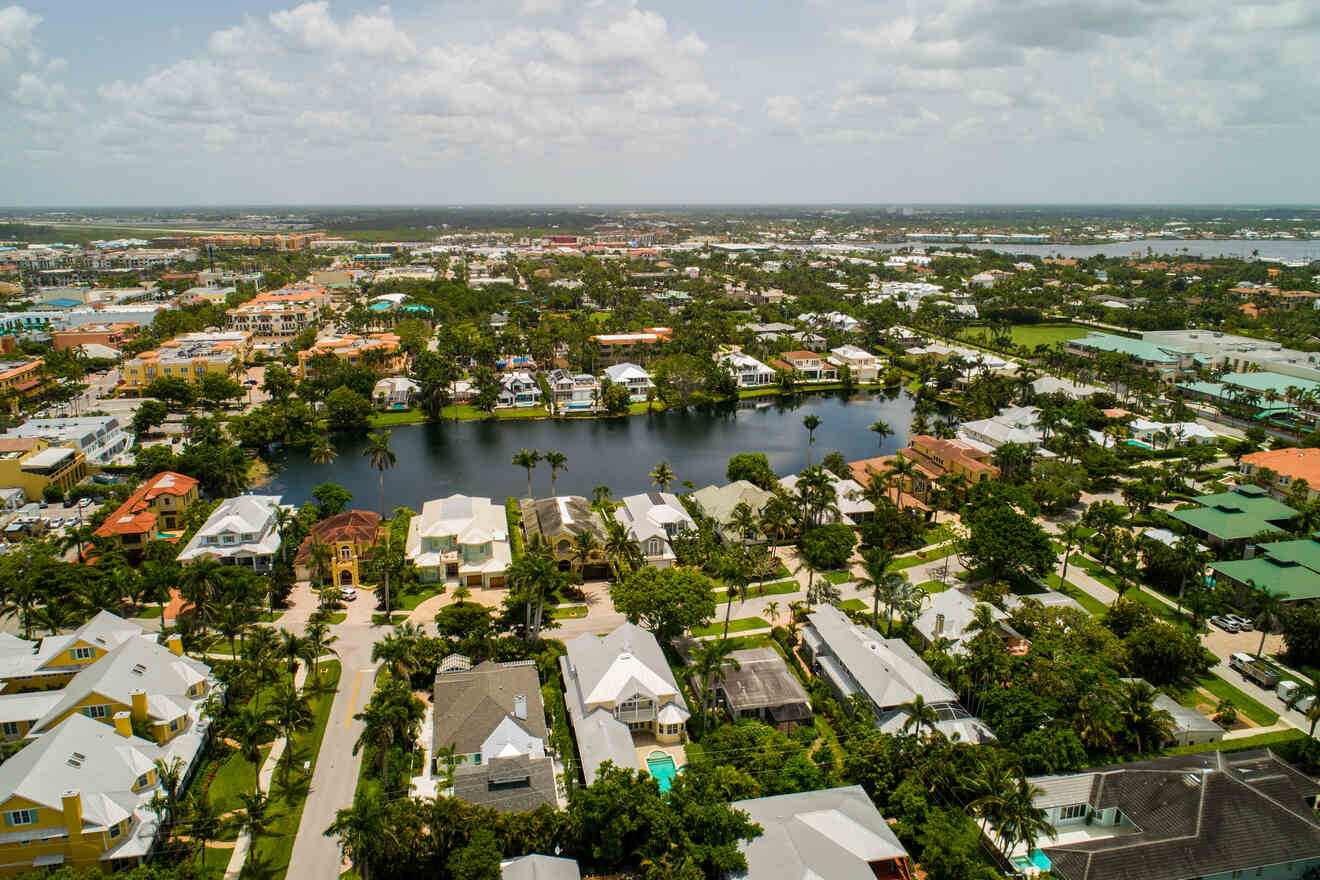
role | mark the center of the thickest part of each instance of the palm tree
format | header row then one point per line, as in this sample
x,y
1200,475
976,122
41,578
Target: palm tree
x,y
322,451
203,823
398,652
732,567
919,715
284,517
558,462
662,475
875,563
624,553
811,422
170,774
771,610
320,563
743,521
361,829
711,662
532,577
584,546
202,584
1149,727
1269,608
881,430
251,729
1073,533
901,471
290,713
525,458
1020,821
600,496
319,641
293,648
382,459
54,616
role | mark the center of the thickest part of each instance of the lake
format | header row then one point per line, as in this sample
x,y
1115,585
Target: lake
x,y
1242,249
475,458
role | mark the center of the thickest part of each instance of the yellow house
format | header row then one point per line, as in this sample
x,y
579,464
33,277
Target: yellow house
x,y
559,521
378,350
27,666
154,511
349,537
75,797
21,381
33,464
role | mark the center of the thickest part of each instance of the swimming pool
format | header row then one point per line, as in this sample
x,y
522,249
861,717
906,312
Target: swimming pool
x,y
1140,444
1038,860
661,766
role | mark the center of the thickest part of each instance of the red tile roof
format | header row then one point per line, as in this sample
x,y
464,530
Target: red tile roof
x,y
358,526
135,516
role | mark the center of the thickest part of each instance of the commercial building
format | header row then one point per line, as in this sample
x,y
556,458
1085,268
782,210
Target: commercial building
x,y
154,512
32,464
379,351
1241,354
349,539
1208,814
1166,360
101,439
110,333
1229,520
241,531
460,540
279,315
20,382
1289,467
188,356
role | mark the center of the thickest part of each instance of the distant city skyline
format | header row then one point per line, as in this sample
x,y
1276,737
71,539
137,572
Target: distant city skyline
x,y
636,102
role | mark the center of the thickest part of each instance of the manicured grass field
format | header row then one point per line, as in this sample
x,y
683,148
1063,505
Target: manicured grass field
x,y
409,601
1277,737
929,587
838,577
738,624
1031,335
852,605
904,562
569,611
1247,705
754,591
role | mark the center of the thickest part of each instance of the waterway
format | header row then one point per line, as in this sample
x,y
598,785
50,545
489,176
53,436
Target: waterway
x,y
475,458
1242,249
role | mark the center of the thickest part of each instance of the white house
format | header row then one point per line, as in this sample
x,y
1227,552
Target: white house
x,y
518,389
652,520
632,377
460,539
748,372
240,531
1160,435
863,365
101,439
574,391
395,392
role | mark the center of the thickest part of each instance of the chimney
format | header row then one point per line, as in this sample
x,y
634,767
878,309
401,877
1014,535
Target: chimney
x,y
939,625
175,643
139,698
520,707
71,802
124,724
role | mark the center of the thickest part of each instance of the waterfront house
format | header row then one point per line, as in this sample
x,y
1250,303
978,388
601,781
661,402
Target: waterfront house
x,y
632,377
808,366
490,721
747,371
864,366
518,389
616,348
573,391
621,697
155,511
460,540
394,392
240,531
652,520
852,507
559,521
351,537
718,503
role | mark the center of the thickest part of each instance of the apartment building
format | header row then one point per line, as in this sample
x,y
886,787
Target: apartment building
x,y
101,439
112,334
379,351
20,382
188,356
32,464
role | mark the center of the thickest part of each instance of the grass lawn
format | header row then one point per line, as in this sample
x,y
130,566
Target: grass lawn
x,y
409,601
1031,335
852,605
398,417
235,776
778,588
397,616
1077,594
939,534
271,852
929,587
568,612
338,617
917,558
1247,705
738,624
149,613
839,577
760,640
1274,738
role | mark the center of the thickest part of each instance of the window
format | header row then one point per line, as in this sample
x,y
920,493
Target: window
x,y
83,653
10,728
143,780
21,817
345,553
174,725
115,831
96,711
1075,811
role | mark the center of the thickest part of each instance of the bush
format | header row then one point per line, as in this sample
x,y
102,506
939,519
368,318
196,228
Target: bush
x,y
1226,714
828,547
52,494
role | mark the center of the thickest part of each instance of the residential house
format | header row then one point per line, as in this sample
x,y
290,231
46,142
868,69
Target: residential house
x,y
617,348
573,391
1208,814
867,470
155,511
747,371
808,366
719,502
112,334
560,521
1289,569
1289,466
32,464
855,659
460,540
537,867
394,393
53,662
518,389
21,381
101,439
1230,520
621,698
769,332
188,356
1055,385
379,351
1190,727
490,721
831,834
652,520
632,377
1014,424
761,686
350,537
240,531
848,498
1163,435
936,459
946,615
864,366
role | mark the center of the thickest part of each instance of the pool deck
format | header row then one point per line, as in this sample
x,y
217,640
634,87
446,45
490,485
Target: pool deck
x,y
646,744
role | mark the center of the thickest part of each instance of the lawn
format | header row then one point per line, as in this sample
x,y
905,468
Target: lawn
x,y
1258,712
410,600
738,624
396,618
778,588
852,605
839,577
929,587
1031,335
904,562
1077,594
1264,740
398,417
566,612
939,534
149,613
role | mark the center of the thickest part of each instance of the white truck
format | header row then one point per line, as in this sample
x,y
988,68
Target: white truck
x,y
1254,670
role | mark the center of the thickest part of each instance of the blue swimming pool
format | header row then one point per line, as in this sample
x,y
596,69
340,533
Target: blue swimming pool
x,y
661,766
1038,860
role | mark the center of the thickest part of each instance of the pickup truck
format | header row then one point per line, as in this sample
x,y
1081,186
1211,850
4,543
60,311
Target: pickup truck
x,y
1254,670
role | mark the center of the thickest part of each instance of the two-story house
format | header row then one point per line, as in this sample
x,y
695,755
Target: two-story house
x,y
573,391
560,522
864,366
154,512
349,537
808,365
460,540
652,520
747,371
622,699
518,389
632,377
53,662
240,531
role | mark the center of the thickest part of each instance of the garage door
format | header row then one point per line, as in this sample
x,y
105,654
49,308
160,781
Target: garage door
x,y
474,580
497,580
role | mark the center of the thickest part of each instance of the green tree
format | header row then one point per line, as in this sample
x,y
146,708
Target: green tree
x,y
881,431
811,422
150,414
662,475
711,662
1001,540
346,410
557,462
666,601
528,460
382,459
753,467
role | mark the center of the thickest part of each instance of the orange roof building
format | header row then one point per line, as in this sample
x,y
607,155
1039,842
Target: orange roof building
x,y
1288,466
378,349
154,512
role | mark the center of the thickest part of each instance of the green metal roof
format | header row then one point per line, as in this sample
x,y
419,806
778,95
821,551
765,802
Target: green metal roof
x,y
1233,516
1265,381
1210,389
1291,579
1146,351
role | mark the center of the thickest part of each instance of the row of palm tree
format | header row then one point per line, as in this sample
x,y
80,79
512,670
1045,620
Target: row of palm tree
x,y
528,459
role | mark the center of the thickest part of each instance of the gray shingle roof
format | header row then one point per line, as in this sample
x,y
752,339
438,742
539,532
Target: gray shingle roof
x,y
565,515
515,784
540,868
762,680
469,705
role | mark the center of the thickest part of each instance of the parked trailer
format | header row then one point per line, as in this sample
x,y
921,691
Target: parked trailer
x,y
1254,670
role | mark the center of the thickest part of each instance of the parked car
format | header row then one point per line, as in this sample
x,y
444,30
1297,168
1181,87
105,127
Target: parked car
x,y
348,594
1243,623
1225,624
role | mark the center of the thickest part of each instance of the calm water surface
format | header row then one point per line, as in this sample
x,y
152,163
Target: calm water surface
x,y
475,458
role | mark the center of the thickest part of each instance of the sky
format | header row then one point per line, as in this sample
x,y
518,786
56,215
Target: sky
x,y
641,101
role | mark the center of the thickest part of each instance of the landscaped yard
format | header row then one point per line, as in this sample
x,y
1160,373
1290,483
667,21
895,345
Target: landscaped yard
x,y
904,562
1030,335
410,600
929,587
1219,689
1077,594
565,612
838,577
778,588
852,605
738,624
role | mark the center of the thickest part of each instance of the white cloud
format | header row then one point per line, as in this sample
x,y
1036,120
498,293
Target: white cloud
x,y
312,27
784,110
18,27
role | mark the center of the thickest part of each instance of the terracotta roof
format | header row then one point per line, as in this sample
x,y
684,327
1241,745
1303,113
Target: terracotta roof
x,y
18,444
358,526
1295,463
135,515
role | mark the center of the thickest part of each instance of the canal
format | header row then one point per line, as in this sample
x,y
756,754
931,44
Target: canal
x,y
475,458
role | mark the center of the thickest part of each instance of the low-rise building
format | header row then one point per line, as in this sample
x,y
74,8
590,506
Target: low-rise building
x,y
378,351
279,315
33,465
947,615
241,531
719,502
864,366
808,366
349,539
1230,520
573,391
1288,569
1014,424
849,501
832,834
1163,435
561,522
518,389
621,696
1166,360
188,356
460,540
632,377
615,348
490,722
1289,467
101,439
111,333
394,393
155,511
747,371
20,382
652,519
761,686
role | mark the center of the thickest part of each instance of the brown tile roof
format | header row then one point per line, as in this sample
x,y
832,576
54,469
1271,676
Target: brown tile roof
x,y
358,526
135,516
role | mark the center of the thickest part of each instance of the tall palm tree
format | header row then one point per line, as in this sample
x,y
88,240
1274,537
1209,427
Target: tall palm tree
x,y
361,830
584,545
293,648
919,715
732,568
711,663
1020,821
875,562
203,582
881,430
398,652
811,422
743,521
558,462
284,517
382,459
600,496
319,641
203,823
290,713
1072,534
662,475
1269,608
1149,727
322,451
527,459
624,553
901,470
170,774
251,729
